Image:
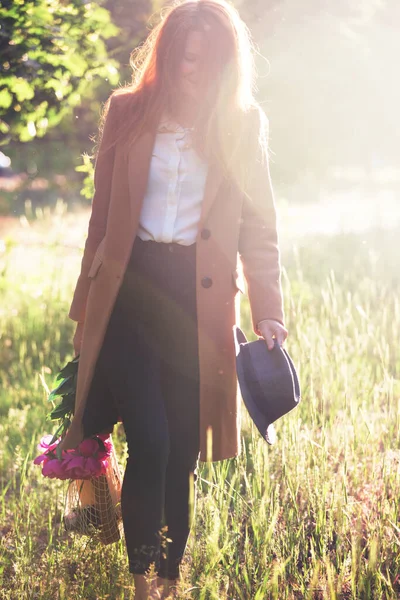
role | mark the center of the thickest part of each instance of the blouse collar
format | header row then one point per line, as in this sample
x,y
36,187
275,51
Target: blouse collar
x,y
167,124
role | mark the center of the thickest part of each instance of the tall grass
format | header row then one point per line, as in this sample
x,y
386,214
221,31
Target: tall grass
x,y
314,517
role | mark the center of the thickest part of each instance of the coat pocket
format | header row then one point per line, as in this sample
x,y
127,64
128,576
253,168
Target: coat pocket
x,y
97,260
238,282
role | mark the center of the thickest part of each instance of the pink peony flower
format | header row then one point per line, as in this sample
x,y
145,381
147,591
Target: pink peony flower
x,y
88,447
45,443
94,466
78,468
69,454
102,454
54,469
104,462
109,447
84,462
106,441
39,459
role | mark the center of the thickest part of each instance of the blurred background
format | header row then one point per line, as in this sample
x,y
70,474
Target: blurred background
x,y
328,82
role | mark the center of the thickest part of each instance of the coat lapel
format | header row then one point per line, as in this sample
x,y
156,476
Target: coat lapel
x,y
213,182
138,165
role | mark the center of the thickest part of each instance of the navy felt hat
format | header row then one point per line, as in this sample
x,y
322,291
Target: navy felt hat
x,y
268,382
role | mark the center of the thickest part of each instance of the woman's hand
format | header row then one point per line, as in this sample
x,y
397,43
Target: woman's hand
x,y
77,341
271,329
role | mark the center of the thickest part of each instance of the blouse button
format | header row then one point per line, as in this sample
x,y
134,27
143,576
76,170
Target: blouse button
x,y
205,233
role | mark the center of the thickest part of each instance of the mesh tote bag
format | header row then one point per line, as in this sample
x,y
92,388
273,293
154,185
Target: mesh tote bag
x,y
93,506
93,498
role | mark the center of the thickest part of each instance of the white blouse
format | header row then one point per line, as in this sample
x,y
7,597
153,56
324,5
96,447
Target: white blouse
x,y
172,203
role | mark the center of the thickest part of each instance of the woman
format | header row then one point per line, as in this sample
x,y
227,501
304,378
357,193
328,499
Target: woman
x,y
182,186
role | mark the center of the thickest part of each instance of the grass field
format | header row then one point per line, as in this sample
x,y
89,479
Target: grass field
x,y
314,517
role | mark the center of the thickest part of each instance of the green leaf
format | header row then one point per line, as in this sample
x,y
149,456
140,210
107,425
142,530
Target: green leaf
x,y
66,386
66,406
70,368
58,452
4,128
22,89
57,434
5,99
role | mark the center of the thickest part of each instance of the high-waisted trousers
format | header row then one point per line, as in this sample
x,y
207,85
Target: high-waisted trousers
x,y
149,361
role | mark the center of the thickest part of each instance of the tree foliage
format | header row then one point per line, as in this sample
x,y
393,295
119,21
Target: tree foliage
x,y
50,53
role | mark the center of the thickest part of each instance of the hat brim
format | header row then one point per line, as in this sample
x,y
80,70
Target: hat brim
x,y
266,429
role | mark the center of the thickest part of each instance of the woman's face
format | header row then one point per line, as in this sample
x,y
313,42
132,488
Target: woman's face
x,y
189,70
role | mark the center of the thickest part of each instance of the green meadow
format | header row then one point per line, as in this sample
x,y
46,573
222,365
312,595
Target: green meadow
x,y
316,516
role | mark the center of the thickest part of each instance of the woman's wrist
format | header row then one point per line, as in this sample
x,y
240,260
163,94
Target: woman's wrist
x,y
263,321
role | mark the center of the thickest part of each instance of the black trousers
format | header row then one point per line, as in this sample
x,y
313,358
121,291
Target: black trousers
x,y
149,359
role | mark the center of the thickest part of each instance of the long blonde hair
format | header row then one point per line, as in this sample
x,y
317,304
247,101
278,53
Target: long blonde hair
x,y
228,75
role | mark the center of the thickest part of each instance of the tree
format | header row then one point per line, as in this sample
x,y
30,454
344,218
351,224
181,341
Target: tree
x,y
51,51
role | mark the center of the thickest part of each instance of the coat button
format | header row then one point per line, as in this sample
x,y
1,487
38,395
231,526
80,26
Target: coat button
x,y
206,282
205,233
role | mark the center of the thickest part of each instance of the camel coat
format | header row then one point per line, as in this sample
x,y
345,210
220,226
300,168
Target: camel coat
x,y
235,235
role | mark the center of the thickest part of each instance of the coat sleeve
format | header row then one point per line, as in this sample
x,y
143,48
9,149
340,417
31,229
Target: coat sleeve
x,y
258,237
103,171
